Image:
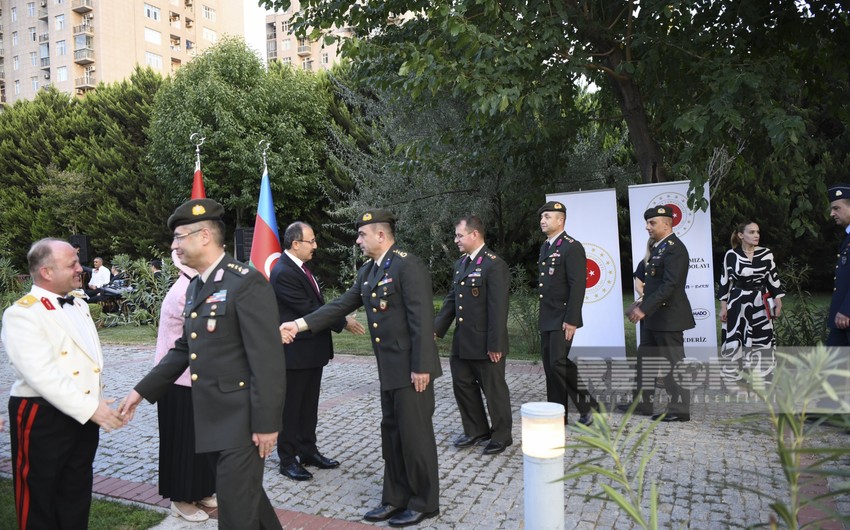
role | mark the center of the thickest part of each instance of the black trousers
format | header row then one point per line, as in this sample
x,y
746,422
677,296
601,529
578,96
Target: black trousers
x,y
664,351
471,377
242,501
300,415
52,456
562,379
838,337
411,472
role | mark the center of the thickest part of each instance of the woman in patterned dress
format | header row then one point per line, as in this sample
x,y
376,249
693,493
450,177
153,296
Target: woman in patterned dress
x,y
749,278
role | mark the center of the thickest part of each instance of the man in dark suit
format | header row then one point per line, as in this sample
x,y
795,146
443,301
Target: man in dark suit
x,y
665,313
839,308
478,304
298,294
232,347
563,281
56,404
395,288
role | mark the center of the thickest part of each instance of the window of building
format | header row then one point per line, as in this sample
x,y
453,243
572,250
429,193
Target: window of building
x,y
209,13
33,58
210,35
61,48
34,82
286,44
60,22
30,9
83,41
57,2
62,73
153,60
153,36
14,14
285,27
189,45
14,38
16,62
326,60
286,60
307,63
33,36
152,12
17,87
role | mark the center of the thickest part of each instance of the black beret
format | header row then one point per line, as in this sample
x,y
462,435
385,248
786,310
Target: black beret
x,y
839,191
661,210
195,210
376,216
552,206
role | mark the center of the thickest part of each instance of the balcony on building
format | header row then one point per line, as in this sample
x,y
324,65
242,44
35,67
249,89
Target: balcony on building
x,y
2,74
42,14
45,63
175,65
82,6
189,23
174,19
84,56
304,50
84,29
189,3
43,37
175,43
87,82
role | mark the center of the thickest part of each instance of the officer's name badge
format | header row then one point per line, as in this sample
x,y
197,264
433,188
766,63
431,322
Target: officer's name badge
x,y
385,281
220,296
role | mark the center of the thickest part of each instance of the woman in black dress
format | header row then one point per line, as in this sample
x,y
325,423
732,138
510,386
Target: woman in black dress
x,y
750,298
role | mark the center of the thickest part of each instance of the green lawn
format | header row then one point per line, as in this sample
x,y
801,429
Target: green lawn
x,y
105,515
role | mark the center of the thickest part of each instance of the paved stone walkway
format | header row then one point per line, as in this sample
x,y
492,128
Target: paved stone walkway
x,y
697,465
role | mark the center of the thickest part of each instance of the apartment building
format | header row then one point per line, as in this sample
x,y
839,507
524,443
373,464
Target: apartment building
x,y
75,44
282,44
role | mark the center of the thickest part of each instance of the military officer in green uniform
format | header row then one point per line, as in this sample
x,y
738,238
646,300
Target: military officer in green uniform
x,y
478,304
395,289
232,347
665,313
562,268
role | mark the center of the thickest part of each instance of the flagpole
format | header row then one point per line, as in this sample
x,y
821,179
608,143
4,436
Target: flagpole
x,y
265,244
198,191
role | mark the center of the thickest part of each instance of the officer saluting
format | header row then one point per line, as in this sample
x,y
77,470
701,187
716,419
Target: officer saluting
x,y
395,289
231,345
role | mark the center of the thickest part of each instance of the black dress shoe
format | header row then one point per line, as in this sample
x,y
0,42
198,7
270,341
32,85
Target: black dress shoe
x,y
319,461
411,517
295,471
638,411
468,441
494,448
382,513
672,417
586,419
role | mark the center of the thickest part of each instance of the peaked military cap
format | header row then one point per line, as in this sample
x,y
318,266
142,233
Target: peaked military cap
x,y
195,210
839,191
376,216
553,206
660,210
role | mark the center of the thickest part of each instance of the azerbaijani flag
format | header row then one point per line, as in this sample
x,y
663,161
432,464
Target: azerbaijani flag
x,y
265,247
198,191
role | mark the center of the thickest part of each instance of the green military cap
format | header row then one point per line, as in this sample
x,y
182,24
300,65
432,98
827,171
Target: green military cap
x,y
839,191
553,206
195,210
661,210
376,216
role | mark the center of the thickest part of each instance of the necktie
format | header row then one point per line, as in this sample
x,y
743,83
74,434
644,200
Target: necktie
x,y
66,300
546,246
310,277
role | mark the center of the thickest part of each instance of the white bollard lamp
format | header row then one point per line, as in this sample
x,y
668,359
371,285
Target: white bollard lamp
x,y
543,444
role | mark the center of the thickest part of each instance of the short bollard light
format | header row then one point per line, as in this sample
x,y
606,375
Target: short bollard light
x,y
543,465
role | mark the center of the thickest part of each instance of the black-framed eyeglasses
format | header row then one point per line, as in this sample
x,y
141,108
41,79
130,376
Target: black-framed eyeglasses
x,y
311,241
181,237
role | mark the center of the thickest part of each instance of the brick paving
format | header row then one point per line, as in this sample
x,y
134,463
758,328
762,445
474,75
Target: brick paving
x,y
697,466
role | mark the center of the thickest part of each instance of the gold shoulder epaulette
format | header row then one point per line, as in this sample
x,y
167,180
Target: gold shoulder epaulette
x,y
400,253
568,238
239,269
26,301
491,255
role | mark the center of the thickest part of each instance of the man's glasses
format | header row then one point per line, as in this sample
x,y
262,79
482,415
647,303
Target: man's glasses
x,y
181,237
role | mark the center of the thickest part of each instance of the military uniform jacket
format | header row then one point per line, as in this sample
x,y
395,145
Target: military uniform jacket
x,y
400,313
665,301
297,297
50,357
841,294
562,283
478,303
231,344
